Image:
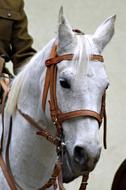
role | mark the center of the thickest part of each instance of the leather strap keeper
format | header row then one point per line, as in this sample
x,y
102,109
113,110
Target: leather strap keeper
x,y
58,59
97,58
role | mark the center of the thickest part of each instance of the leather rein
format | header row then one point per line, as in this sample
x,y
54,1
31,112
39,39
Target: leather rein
x,y
58,117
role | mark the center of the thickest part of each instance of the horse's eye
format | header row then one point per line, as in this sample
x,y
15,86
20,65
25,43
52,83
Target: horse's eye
x,y
64,83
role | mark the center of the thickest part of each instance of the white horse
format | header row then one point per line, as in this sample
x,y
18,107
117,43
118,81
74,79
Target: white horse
x,y
80,85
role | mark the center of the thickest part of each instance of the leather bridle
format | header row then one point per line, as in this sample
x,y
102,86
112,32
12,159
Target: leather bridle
x,y
58,117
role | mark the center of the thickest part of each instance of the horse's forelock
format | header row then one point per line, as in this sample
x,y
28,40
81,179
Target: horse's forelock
x,y
81,54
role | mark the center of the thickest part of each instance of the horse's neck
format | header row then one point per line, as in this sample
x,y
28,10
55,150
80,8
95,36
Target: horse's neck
x,y
32,158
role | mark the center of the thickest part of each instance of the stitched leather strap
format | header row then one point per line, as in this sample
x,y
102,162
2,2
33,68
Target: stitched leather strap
x,y
69,57
47,79
80,113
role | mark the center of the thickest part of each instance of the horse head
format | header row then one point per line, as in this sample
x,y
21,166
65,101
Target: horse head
x,y
81,84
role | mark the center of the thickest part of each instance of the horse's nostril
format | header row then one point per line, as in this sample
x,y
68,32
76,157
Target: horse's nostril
x,y
80,155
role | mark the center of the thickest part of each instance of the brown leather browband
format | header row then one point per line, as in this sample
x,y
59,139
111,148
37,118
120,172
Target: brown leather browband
x,y
69,57
58,117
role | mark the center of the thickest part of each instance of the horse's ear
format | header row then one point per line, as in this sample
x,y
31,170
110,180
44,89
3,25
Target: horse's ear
x,y
65,33
104,33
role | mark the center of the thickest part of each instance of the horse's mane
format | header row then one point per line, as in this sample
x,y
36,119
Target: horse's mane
x,y
80,52
15,91
20,78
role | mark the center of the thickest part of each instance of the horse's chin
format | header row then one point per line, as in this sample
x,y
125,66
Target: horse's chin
x,y
68,179
70,173
67,172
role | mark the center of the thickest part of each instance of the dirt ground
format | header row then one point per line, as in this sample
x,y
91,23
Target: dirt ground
x,y
87,15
